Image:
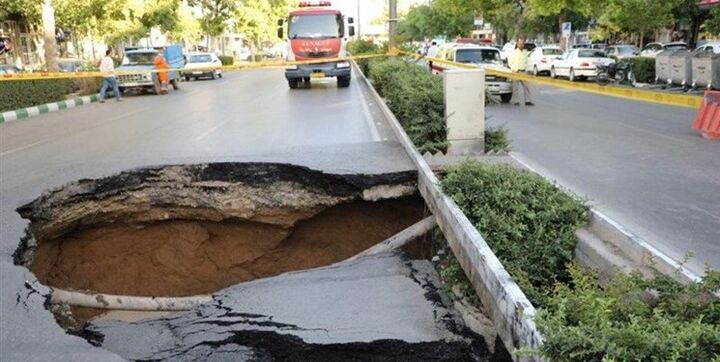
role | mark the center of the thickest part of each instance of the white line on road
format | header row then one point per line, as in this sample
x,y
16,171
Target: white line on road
x,y
11,151
209,131
366,111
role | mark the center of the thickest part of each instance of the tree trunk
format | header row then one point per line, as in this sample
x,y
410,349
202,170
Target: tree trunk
x,y
642,39
49,43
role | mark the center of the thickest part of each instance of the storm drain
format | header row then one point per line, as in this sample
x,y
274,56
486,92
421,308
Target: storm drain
x,y
194,229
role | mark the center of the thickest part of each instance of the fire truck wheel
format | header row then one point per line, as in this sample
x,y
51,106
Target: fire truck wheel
x,y
343,82
293,83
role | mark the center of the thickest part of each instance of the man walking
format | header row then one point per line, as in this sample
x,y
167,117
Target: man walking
x,y
518,64
108,67
432,53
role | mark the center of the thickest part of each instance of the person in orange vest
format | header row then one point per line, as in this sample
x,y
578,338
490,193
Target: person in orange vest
x,y
162,67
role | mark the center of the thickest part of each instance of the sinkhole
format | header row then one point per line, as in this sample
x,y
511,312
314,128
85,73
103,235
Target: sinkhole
x,y
185,230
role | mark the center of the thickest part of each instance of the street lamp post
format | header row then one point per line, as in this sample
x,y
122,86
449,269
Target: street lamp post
x,y
393,24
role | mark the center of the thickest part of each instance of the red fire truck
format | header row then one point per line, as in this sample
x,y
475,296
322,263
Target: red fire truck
x,y
316,31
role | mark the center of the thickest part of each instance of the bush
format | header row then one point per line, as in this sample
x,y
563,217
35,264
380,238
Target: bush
x,y
496,139
17,94
364,47
526,221
416,98
226,59
643,68
617,322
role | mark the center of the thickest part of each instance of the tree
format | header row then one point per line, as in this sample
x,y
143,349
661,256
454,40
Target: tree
x,y
712,24
257,20
638,16
49,43
216,14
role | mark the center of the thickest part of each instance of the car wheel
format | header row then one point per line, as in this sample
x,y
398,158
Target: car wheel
x,y
553,73
535,70
571,75
187,78
343,82
505,98
293,83
219,75
195,78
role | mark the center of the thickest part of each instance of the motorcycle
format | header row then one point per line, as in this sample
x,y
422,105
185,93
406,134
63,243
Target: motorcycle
x,y
614,73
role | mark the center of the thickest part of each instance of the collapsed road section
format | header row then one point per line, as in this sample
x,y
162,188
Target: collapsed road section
x,y
213,229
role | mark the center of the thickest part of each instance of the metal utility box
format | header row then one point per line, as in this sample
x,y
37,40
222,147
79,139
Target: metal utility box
x,y
681,67
662,66
706,70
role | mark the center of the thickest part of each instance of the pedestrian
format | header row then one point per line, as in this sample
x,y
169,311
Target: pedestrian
x,y
432,53
518,64
107,66
161,65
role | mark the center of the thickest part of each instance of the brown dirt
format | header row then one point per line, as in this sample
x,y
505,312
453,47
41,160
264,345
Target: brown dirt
x,y
187,257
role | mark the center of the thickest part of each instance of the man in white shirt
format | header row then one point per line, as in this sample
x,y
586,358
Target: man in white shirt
x,y
108,67
518,61
432,53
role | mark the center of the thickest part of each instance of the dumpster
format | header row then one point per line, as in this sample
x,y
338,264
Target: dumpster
x,y
681,68
662,66
706,70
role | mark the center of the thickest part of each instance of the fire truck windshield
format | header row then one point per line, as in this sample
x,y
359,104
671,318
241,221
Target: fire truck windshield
x,y
315,26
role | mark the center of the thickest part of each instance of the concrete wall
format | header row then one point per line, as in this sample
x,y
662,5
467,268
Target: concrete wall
x,y
465,110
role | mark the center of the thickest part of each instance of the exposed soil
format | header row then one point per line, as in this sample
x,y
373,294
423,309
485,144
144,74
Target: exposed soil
x,y
188,257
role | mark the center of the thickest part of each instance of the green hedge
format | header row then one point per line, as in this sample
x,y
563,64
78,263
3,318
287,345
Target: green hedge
x,y
530,226
643,69
365,47
27,93
416,97
526,221
226,59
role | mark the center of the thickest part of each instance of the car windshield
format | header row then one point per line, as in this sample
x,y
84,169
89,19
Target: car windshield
x,y
490,56
625,50
552,51
139,58
201,58
676,46
315,26
591,54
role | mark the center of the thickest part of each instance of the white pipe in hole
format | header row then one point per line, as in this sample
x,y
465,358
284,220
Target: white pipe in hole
x,y
127,302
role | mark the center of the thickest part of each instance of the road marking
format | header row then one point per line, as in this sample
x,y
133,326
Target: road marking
x,y
11,151
209,131
366,112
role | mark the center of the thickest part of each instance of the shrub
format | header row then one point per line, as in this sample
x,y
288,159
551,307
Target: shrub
x,y
17,94
416,98
643,68
364,47
526,221
226,59
617,322
496,139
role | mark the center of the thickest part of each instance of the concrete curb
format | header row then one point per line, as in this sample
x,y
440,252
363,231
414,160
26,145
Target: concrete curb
x,y
19,114
510,310
638,251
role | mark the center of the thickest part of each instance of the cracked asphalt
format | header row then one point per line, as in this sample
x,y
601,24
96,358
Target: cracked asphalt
x,y
248,116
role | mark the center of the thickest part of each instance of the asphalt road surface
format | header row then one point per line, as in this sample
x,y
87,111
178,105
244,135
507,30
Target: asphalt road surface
x,y
640,163
245,116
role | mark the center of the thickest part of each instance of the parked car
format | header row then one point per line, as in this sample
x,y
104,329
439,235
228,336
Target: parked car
x,y
509,47
622,51
9,69
485,57
244,54
713,47
71,65
540,59
579,64
202,65
651,50
599,46
141,63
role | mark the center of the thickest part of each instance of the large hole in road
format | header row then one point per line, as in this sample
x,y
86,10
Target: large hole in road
x,y
193,229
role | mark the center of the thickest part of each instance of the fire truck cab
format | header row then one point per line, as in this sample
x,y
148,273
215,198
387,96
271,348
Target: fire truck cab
x,y
315,31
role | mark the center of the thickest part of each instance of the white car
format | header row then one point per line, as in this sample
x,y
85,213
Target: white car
x,y
713,47
579,63
202,65
540,59
622,51
484,57
651,50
